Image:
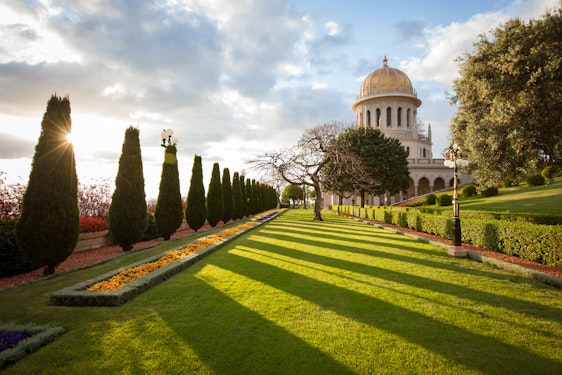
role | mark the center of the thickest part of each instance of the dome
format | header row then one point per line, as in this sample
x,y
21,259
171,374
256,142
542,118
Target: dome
x,y
385,81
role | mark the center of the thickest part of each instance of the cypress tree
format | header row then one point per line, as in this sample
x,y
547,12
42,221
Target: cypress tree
x,y
249,197
215,205
48,228
227,196
196,210
127,212
236,197
243,197
168,212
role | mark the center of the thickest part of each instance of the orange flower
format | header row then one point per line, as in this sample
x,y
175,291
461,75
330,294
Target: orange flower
x,y
137,272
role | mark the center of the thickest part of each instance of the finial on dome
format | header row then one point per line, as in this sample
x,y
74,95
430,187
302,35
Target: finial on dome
x,y
385,62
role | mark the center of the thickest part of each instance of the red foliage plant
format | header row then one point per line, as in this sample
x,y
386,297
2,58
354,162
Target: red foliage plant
x,y
93,224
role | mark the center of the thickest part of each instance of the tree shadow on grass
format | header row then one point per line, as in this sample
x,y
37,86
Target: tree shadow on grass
x,y
455,290
474,351
229,338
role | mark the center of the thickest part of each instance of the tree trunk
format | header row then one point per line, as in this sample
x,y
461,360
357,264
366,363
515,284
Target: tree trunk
x,y
362,199
318,203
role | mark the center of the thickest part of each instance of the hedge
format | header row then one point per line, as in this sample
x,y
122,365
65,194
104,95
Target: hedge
x,y
535,242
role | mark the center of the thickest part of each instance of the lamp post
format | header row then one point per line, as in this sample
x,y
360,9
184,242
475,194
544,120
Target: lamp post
x,y
454,158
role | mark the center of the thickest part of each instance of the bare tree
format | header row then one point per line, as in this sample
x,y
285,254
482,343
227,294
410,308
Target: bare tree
x,y
303,163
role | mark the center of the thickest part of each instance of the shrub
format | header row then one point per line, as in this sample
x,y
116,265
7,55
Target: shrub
x,y
444,200
535,180
93,224
430,199
489,192
151,231
47,230
127,212
469,191
549,172
12,261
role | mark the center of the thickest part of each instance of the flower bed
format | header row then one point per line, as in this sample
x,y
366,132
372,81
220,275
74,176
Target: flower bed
x,y
18,341
117,287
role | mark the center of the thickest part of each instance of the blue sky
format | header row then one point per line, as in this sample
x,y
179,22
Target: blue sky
x,y
232,79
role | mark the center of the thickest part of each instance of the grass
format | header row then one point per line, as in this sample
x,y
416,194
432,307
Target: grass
x,y
301,297
545,200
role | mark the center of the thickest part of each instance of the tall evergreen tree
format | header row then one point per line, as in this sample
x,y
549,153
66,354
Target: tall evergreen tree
x,y
243,197
227,196
196,210
249,194
215,205
236,197
127,212
168,212
48,228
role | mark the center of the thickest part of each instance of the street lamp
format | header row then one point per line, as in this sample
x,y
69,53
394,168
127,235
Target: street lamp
x,y
454,158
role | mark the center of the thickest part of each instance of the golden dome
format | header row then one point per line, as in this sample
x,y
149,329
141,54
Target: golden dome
x,y
386,81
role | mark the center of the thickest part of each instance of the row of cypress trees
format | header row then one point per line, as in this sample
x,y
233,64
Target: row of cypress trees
x,y
47,230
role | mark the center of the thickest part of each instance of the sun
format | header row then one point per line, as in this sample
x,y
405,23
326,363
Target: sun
x,y
69,137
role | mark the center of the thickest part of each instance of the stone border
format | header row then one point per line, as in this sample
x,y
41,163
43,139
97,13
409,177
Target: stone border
x,y
519,270
40,336
77,295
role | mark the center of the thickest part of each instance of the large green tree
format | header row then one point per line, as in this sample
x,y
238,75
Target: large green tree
x,y
509,100
292,193
127,212
196,210
383,161
215,204
48,227
168,212
227,197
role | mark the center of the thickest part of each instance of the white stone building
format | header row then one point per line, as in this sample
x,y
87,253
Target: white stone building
x,y
388,101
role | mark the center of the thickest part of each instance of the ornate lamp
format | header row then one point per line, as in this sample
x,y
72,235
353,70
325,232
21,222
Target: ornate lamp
x,y
455,157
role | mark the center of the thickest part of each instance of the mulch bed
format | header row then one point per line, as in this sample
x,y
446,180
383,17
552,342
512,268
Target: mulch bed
x,y
84,258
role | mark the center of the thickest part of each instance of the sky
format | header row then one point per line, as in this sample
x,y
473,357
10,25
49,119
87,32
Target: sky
x,y
232,79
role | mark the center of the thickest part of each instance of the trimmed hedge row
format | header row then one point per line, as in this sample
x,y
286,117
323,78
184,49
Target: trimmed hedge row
x,y
526,218
538,243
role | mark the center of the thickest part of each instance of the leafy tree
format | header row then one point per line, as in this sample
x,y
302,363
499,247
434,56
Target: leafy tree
x,y
215,204
196,210
47,230
303,164
236,197
127,212
228,200
384,160
292,193
168,212
508,100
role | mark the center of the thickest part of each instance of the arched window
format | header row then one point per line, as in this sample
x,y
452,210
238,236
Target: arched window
x,y
424,153
388,117
408,150
369,118
399,116
378,119
408,113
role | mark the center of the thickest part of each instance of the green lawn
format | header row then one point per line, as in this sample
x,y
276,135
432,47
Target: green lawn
x,y
545,199
301,297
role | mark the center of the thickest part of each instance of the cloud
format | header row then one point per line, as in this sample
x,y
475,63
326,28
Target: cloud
x,y
15,147
445,43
